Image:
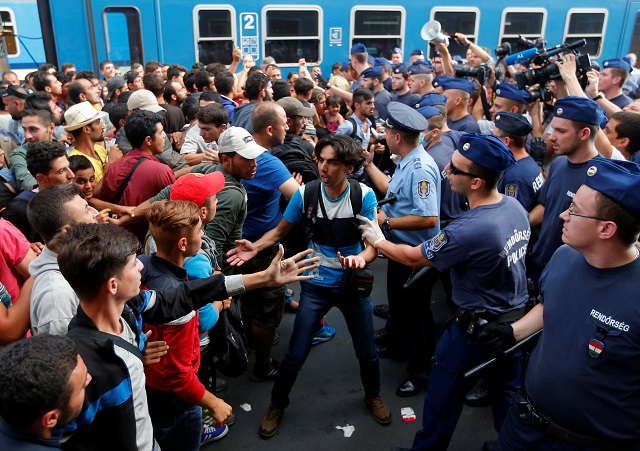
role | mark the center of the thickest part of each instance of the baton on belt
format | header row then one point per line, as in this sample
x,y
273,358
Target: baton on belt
x,y
513,349
388,200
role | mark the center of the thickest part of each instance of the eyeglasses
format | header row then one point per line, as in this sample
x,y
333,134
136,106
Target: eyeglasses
x,y
571,213
455,171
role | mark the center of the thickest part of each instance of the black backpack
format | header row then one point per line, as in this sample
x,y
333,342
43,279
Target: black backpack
x,y
297,240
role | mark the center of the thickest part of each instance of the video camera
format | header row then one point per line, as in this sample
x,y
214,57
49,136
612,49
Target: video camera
x,y
482,72
548,70
505,48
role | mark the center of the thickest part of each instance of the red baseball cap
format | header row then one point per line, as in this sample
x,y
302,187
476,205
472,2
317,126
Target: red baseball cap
x,y
197,187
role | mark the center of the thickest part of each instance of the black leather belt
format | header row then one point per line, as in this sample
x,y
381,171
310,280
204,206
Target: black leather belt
x,y
529,414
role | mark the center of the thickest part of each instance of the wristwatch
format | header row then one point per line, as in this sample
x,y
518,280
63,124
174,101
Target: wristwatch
x,y
598,97
385,224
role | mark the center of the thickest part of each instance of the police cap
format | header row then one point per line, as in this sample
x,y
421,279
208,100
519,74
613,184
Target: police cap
x,y
374,71
512,92
358,48
429,111
401,69
420,67
487,151
513,123
619,180
431,99
403,118
617,62
579,109
458,83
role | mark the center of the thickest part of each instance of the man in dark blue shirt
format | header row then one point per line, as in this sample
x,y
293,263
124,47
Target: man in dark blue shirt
x,y
485,250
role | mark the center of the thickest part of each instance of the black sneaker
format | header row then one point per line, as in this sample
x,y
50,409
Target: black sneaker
x,y
268,374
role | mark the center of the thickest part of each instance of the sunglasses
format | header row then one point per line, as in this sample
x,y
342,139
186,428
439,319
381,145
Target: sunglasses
x,y
455,171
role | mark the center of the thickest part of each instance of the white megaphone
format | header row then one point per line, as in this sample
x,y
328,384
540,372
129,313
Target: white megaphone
x,y
432,31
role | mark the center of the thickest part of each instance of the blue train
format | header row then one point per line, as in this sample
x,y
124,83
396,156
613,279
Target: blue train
x,y
183,31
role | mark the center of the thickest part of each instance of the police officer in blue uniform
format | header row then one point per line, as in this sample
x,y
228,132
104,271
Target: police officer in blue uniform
x,y
411,219
421,79
458,91
575,123
523,180
372,79
401,92
582,377
485,250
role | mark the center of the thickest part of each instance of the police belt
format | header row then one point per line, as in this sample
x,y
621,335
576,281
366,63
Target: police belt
x,y
471,321
528,413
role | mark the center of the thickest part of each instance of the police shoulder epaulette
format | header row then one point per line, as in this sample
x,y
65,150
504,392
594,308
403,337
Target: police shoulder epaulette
x,y
417,163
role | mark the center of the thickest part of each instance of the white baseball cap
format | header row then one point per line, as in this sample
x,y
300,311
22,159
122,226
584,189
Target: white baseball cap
x,y
240,141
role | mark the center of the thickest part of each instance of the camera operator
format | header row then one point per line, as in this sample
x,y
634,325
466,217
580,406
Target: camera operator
x,y
567,68
476,55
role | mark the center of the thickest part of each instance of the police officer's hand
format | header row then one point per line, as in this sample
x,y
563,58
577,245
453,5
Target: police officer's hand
x,y
370,230
498,337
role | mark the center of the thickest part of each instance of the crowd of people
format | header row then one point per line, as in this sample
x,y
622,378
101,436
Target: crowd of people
x,y
142,213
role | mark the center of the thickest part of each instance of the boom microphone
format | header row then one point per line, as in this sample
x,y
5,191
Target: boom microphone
x,y
520,57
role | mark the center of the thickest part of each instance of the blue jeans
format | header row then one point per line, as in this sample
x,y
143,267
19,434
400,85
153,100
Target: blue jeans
x,y
456,353
178,430
315,302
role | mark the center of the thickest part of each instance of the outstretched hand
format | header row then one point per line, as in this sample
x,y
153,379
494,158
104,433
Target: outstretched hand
x,y
241,254
281,272
352,261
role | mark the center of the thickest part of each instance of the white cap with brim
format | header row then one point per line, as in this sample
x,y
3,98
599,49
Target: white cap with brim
x,y
240,141
81,114
143,99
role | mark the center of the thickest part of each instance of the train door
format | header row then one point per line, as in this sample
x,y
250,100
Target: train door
x,y
632,25
126,32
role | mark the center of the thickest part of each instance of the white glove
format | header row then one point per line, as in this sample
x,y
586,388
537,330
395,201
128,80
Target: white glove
x,y
371,231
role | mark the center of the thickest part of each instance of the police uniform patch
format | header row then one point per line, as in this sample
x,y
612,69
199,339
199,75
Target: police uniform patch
x,y
466,146
497,92
595,348
559,112
511,190
417,164
424,189
497,116
592,171
435,244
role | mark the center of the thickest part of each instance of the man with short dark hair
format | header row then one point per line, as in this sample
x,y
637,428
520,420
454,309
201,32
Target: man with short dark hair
x,y
399,82
174,116
623,132
13,99
53,301
337,157
47,160
108,70
38,125
148,175
112,307
82,90
174,93
302,88
360,123
48,380
257,89
212,119
372,79
175,73
224,83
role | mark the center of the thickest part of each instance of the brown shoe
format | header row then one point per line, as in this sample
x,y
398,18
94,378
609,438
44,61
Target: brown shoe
x,y
379,410
270,422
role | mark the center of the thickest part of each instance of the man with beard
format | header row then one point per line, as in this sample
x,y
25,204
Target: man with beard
x,y
257,89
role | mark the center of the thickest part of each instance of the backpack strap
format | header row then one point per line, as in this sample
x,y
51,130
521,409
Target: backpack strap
x,y
104,337
125,182
354,131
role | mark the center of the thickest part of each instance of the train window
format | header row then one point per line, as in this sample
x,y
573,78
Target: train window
x,y
215,34
458,19
10,31
589,24
123,36
380,29
528,22
291,33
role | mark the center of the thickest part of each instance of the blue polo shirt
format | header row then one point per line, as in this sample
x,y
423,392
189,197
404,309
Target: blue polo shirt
x,y
416,183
